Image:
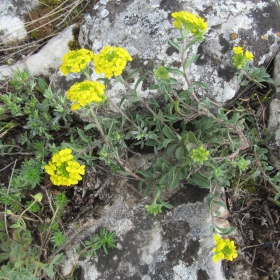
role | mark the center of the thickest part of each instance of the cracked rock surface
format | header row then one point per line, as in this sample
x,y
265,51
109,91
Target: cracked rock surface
x,y
144,28
176,244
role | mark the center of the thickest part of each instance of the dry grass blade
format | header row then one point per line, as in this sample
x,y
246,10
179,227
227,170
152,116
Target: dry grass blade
x,y
43,23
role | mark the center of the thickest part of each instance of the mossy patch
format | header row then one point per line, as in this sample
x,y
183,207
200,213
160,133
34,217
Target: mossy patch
x,y
50,17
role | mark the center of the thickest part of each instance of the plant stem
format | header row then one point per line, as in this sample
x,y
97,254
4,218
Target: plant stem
x,y
8,190
117,158
185,72
121,112
212,214
99,126
146,105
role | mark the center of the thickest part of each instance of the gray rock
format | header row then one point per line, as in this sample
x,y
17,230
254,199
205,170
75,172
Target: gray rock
x,y
174,245
274,118
46,61
144,28
12,27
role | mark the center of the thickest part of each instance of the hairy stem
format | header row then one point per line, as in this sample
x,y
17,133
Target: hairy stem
x,y
117,158
121,112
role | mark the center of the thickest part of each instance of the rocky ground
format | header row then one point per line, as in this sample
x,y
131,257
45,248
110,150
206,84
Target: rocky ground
x,y
92,204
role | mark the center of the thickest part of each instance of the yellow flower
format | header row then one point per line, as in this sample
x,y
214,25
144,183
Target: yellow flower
x,y
249,55
64,170
224,249
76,61
238,50
241,57
86,92
111,61
190,22
199,155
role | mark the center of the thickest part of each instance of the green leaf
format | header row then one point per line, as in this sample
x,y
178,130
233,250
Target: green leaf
x,y
212,130
199,181
275,201
179,153
145,174
153,87
217,140
153,135
151,142
163,179
176,181
206,124
165,167
164,143
82,135
171,173
217,214
174,45
189,61
262,151
165,204
200,84
175,71
141,79
220,203
89,126
225,231
50,271
210,199
170,149
42,85
57,259
4,256
189,138
168,133
134,72
15,226
244,83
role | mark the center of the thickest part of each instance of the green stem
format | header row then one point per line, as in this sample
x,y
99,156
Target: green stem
x,y
145,103
185,72
252,79
86,72
99,126
211,212
117,158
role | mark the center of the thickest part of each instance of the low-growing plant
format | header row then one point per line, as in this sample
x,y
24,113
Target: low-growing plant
x,y
104,240
203,144
21,257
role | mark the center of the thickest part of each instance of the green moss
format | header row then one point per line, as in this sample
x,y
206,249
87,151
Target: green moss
x,y
46,19
250,187
51,3
74,44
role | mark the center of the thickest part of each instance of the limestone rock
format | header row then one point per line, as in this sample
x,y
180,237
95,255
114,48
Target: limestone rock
x,y
12,27
144,28
176,244
274,118
47,60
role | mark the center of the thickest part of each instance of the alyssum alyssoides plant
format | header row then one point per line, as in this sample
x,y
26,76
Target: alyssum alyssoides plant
x,y
205,149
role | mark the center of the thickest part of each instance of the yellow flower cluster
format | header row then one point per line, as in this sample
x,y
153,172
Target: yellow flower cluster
x,y
86,92
224,249
190,22
75,61
111,61
241,57
64,170
199,155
